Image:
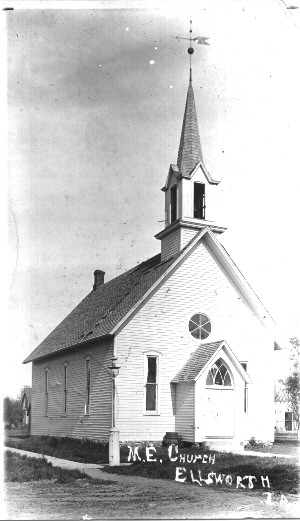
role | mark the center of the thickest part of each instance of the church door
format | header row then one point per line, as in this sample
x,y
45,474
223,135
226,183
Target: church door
x,y
220,398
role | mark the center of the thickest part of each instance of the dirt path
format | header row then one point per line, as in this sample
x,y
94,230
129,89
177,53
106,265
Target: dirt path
x,y
141,499
113,496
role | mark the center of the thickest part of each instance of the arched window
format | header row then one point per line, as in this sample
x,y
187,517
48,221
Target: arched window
x,y
219,375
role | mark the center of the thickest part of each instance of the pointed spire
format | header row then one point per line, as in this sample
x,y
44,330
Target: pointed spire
x,y
190,152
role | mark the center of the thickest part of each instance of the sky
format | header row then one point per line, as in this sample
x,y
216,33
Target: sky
x,y
95,102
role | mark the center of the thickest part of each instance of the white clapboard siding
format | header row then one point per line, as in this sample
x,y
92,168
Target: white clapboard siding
x,y
186,235
161,325
75,422
185,414
170,245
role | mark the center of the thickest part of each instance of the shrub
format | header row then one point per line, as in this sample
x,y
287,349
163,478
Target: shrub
x,y
254,443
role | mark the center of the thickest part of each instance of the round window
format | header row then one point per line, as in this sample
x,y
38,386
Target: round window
x,y
200,326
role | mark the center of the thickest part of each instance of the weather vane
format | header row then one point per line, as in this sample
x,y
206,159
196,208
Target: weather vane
x,y
198,39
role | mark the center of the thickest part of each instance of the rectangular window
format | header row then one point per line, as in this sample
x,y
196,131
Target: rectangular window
x,y
173,203
288,421
65,389
46,391
151,383
199,201
88,386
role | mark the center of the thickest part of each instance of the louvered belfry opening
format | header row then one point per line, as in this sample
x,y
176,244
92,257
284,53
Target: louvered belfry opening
x,y
199,200
173,203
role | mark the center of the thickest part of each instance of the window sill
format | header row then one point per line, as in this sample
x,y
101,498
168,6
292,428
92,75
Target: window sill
x,y
148,413
222,387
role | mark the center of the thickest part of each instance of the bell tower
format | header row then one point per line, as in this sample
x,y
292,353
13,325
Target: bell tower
x,y
189,187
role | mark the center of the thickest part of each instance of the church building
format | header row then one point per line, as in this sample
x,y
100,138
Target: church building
x,y
191,342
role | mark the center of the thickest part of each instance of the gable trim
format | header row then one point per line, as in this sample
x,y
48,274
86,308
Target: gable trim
x,y
225,347
229,269
232,272
173,169
189,248
207,175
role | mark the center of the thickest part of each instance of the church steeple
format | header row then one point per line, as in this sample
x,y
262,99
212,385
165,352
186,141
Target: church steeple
x,y
190,152
189,187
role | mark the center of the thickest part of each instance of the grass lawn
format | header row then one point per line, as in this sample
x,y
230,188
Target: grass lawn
x,y
19,468
74,449
283,474
280,447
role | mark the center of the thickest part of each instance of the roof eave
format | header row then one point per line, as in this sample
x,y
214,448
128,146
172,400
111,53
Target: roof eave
x,y
173,169
73,346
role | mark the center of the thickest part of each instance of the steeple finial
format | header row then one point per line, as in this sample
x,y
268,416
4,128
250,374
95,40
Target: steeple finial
x,y
190,152
190,51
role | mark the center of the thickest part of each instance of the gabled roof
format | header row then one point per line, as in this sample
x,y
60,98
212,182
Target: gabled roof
x,y
105,310
102,309
205,172
173,170
196,362
200,359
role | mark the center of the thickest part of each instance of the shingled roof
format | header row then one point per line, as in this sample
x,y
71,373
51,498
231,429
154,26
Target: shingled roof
x,y
190,152
102,309
196,362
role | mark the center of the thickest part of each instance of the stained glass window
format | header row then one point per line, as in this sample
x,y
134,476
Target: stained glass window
x,y
219,375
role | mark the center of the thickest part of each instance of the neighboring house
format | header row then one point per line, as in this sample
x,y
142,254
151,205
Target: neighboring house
x,y
284,418
26,406
194,343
